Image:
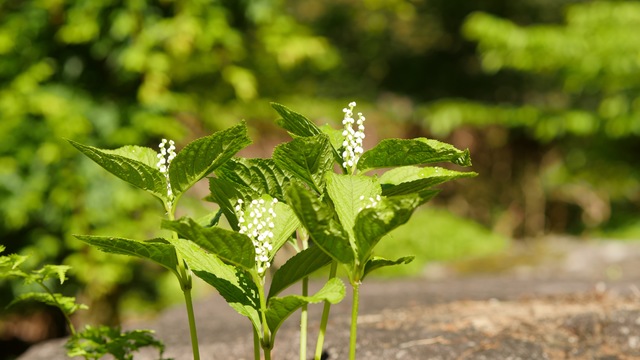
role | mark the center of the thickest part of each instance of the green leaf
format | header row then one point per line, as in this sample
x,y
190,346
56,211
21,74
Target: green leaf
x,y
376,262
141,154
401,152
66,304
297,267
230,246
226,194
53,271
200,157
413,179
320,221
308,158
131,170
295,123
350,194
375,222
285,224
261,175
96,342
335,136
156,250
233,284
278,309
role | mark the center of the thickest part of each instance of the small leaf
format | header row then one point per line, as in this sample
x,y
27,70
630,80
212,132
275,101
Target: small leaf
x,y
230,246
261,175
377,262
233,284
413,179
66,304
49,271
285,224
97,342
401,152
278,309
373,223
200,157
134,172
295,123
320,221
297,267
156,250
308,158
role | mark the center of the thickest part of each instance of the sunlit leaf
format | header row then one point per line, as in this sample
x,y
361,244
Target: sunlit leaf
x,y
413,179
402,152
295,123
309,158
230,246
135,172
156,250
350,194
66,304
200,157
233,284
261,175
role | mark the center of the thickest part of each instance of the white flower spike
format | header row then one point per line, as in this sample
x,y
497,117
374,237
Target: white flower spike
x,y
352,138
258,224
165,156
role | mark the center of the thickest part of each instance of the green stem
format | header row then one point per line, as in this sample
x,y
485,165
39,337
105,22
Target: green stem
x,y
192,324
325,316
266,342
186,282
303,321
354,321
256,344
72,329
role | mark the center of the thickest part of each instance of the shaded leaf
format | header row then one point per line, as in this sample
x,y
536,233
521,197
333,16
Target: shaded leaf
x,y
377,262
373,223
297,267
97,342
226,194
402,152
319,220
200,157
141,154
278,309
230,246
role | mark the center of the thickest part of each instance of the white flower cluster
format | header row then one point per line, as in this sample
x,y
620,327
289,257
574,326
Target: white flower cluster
x,y
164,160
372,202
352,139
258,225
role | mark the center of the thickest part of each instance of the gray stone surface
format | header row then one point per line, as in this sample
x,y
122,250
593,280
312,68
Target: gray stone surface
x,y
575,307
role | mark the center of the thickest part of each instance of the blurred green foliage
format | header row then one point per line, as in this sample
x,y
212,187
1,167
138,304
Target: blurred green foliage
x,y
578,108
545,96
